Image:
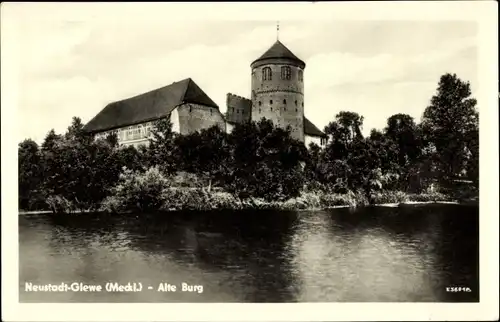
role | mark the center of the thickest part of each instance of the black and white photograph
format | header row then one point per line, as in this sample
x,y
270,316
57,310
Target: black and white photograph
x,y
230,154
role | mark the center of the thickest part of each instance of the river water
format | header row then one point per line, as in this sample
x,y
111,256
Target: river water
x,y
375,254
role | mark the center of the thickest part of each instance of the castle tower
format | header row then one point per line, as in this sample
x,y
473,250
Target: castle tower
x,y
278,89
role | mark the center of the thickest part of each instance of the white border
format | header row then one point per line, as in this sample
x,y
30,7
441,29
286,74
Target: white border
x,y
484,12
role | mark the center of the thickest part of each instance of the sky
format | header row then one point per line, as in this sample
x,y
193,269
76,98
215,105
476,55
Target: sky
x,y
73,61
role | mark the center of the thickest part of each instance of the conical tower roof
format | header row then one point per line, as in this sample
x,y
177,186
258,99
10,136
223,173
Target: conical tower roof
x,y
279,51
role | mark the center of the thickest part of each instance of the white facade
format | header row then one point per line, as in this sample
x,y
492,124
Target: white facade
x,y
308,139
138,134
229,127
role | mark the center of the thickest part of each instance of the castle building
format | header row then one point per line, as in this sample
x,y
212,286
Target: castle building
x,y
277,93
184,103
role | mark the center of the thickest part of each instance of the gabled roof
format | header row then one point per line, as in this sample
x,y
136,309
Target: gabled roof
x,y
152,105
277,51
311,129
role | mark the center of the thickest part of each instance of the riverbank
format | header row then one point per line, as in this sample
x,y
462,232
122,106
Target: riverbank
x,y
181,199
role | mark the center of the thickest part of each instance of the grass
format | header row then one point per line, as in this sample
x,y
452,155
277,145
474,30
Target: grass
x,y
199,199
175,199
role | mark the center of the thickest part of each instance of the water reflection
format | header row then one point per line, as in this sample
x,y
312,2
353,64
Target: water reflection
x,y
368,263
373,254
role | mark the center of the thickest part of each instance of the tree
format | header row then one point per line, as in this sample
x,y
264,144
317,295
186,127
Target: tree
x,y
53,179
30,175
448,123
312,162
161,150
131,158
112,140
103,170
50,141
76,168
347,126
472,166
205,153
402,149
341,157
75,130
402,130
342,133
265,161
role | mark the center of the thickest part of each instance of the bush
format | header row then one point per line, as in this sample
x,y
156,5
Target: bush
x,y
59,204
138,191
113,204
428,197
223,200
186,179
309,200
333,200
320,200
174,198
383,197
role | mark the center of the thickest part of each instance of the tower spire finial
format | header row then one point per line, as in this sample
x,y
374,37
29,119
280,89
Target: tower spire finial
x,y
277,30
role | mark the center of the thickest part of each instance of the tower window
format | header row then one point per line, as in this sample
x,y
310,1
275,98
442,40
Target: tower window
x,y
301,75
284,101
271,109
260,103
271,102
259,110
302,104
286,73
295,102
267,74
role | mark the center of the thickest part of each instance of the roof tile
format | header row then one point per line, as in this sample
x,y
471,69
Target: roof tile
x,y
148,106
278,50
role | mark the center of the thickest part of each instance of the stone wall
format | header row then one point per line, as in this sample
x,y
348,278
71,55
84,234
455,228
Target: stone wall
x,y
280,100
185,119
194,117
239,109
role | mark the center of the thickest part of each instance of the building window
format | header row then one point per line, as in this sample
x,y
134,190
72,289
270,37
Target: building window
x,y
302,104
301,75
259,110
295,102
267,74
284,102
286,73
271,109
296,110
260,103
271,102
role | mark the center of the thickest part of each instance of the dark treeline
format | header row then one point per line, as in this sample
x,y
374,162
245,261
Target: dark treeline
x,y
258,160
